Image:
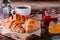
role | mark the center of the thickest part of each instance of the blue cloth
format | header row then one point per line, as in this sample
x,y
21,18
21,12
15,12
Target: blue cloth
x,y
1,13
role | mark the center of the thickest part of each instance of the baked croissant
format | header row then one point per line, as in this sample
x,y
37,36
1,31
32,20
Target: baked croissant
x,y
16,26
32,25
19,17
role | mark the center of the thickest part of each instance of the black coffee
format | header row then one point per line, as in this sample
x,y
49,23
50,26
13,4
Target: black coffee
x,y
22,7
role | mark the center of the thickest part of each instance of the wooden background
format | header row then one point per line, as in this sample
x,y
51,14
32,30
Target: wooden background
x,y
35,0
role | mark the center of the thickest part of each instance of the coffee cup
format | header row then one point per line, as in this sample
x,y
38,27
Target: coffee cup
x,y
23,10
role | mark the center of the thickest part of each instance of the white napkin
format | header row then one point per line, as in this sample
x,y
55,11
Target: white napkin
x,y
37,32
5,30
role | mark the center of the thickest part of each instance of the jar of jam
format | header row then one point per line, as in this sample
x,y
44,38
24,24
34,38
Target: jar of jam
x,y
46,17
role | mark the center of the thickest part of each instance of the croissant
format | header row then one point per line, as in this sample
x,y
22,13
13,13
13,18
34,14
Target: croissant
x,y
16,26
31,25
19,17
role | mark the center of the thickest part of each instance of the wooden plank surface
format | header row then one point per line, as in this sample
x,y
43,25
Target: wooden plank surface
x,y
37,5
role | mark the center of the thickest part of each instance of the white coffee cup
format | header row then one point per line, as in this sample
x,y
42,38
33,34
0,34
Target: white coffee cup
x,y
23,10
